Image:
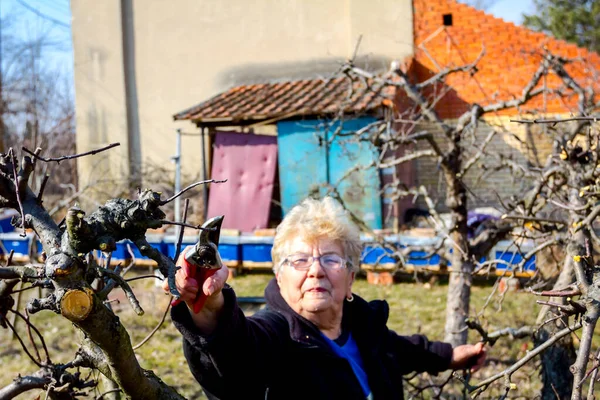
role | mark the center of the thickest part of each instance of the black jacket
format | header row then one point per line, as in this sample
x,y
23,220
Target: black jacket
x,y
278,354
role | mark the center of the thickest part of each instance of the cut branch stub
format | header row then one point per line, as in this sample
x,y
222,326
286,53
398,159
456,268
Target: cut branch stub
x,y
62,266
116,220
78,230
76,304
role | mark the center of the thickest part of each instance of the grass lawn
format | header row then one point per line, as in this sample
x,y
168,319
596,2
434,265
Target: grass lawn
x,y
415,308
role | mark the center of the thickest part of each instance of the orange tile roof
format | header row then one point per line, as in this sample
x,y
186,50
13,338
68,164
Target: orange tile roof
x,y
253,103
512,55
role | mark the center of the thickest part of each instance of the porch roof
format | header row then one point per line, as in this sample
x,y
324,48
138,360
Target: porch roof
x,y
248,104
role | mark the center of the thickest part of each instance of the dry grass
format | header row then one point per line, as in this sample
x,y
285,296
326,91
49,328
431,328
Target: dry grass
x,y
414,308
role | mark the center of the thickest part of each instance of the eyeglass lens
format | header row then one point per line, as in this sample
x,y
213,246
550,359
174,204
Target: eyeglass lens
x,y
303,261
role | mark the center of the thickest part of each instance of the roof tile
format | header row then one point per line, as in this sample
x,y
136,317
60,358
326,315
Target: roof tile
x,y
287,99
512,55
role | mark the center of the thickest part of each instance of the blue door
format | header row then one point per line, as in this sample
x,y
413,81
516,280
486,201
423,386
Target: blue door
x,y
312,153
302,162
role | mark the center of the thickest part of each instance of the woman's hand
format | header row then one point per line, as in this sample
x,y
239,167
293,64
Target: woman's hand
x,y
188,286
468,356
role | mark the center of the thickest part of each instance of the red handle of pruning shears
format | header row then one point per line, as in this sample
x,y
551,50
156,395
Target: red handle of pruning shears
x,y
200,275
203,260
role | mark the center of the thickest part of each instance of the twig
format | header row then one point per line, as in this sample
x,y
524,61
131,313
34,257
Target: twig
x,y
156,328
509,371
527,256
527,93
558,293
42,187
554,121
132,257
23,272
13,161
109,258
492,337
430,139
409,157
440,76
180,239
110,283
589,219
566,207
23,289
558,317
199,227
10,256
193,185
30,336
24,384
356,47
108,392
412,92
527,218
12,328
566,309
126,288
29,324
143,277
59,159
594,375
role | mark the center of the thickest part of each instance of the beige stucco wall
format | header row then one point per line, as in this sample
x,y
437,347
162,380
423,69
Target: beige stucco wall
x,y
188,50
100,94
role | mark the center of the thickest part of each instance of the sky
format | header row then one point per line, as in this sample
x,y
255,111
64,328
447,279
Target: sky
x,y
30,19
511,10
52,18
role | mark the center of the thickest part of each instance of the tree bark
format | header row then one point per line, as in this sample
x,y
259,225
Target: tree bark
x,y
109,347
22,385
103,328
461,275
111,390
557,379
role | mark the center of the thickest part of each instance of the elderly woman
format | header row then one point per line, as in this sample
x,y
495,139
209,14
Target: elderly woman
x,y
315,339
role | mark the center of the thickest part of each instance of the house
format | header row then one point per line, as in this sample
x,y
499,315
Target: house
x,y
140,61
269,68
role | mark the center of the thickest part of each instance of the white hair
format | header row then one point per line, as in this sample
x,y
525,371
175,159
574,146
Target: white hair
x,y
314,219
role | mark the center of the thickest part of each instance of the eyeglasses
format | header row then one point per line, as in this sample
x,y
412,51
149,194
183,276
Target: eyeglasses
x,y
303,262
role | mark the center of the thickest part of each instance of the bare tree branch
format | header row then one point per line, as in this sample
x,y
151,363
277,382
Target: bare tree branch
x,y
440,76
555,121
193,185
481,386
59,159
156,328
408,157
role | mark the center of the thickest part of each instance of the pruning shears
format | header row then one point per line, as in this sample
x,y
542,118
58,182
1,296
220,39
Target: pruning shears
x,y
203,260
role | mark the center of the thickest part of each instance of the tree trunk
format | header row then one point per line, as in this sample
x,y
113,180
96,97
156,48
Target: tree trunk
x,y
557,379
104,330
585,276
459,297
111,390
461,278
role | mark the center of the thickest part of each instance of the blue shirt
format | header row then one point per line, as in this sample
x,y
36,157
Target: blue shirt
x,y
349,350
